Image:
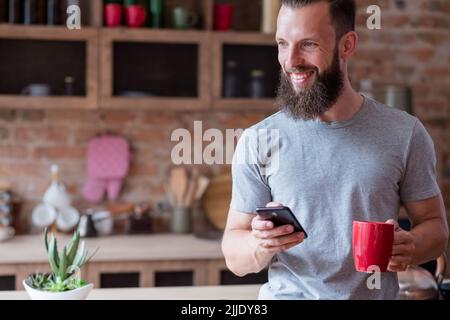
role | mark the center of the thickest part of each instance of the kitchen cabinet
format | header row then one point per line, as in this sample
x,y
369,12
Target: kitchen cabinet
x,y
249,51
166,69
123,261
46,55
139,68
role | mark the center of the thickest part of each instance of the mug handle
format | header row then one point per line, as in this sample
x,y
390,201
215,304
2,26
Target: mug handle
x,y
193,19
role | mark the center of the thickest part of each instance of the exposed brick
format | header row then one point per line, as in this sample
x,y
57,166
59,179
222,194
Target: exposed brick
x,y
429,21
59,152
83,135
13,152
431,108
363,4
14,169
118,117
433,38
143,169
437,73
32,115
150,135
48,134
7,115
424,54
166,120
78,117
4,133
395,20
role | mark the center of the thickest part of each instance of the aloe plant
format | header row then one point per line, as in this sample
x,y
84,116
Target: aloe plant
x,y
65,265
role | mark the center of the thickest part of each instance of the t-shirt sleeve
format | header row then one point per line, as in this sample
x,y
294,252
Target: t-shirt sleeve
x,y
419,181
250,190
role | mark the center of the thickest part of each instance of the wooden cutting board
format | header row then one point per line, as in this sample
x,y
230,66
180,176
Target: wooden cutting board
x,y
217,198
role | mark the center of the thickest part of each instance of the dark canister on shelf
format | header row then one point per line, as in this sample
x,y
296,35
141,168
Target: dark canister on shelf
x,y
53,12
14,11
30,12
230,80
257,84
68,85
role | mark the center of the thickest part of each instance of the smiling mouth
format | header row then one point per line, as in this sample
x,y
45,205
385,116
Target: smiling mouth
x,y
300,78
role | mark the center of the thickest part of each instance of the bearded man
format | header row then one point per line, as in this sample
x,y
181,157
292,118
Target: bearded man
x,y
341,157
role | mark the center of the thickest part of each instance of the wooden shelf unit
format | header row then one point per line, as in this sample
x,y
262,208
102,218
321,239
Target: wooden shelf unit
x,y
100,41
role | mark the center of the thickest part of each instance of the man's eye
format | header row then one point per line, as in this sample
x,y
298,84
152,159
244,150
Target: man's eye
x,y
282,44
309,44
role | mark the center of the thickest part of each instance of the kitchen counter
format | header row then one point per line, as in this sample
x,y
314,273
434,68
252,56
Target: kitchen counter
x,y
234,292
146,255
31,249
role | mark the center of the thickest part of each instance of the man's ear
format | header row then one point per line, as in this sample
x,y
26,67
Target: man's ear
x,y
347,44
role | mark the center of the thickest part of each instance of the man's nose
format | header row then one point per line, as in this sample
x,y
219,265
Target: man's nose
x,y
294,59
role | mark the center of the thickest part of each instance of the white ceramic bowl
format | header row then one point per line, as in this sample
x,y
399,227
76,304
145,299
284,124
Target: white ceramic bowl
x,y
76,294
43,215
67,218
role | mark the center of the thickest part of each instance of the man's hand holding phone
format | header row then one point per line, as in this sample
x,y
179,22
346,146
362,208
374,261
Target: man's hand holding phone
x,y
272,239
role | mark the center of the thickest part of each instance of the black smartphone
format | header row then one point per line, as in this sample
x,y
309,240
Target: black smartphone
x,y
281,216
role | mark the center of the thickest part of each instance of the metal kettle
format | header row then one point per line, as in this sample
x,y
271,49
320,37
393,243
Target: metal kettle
x,y
417,283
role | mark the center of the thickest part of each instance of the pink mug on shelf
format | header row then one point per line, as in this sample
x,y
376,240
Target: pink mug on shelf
x,y
223,16
372,245
113,14
135,16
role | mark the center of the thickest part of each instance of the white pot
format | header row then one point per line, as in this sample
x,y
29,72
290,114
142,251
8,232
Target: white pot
x,y
76,294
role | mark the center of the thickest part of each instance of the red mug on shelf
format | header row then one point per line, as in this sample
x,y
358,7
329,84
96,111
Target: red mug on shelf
x,y
113,14
135,16
372,245
223,16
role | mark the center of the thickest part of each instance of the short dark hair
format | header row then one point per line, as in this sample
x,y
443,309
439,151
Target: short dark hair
x,y
342,12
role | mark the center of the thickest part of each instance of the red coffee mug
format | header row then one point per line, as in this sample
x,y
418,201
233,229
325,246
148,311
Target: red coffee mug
x,y
135,16
372,245
113,14
223,16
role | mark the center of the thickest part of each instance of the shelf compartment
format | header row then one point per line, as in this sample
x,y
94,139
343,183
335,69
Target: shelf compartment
x,y
146,62
119,280
249,51
7,282
42,61
26,52
173,278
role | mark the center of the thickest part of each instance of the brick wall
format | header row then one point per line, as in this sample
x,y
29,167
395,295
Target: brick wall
x,y
30,141
412,48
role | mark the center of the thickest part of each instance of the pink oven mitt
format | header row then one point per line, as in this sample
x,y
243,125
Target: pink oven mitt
x,y
108,160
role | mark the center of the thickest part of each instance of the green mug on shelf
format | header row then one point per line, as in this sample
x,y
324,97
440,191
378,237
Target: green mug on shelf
x,y
184,18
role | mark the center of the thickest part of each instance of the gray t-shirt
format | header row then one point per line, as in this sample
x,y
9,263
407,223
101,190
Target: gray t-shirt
x,y
330,174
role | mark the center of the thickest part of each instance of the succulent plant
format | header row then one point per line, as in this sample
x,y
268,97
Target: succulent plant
x,y
39,280
65,265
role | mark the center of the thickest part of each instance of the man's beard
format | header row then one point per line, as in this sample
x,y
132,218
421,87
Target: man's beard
x,y
309,103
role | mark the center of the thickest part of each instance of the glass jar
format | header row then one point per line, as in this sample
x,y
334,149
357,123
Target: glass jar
x,y
52,12
230,80
68,85
14,11
257,84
